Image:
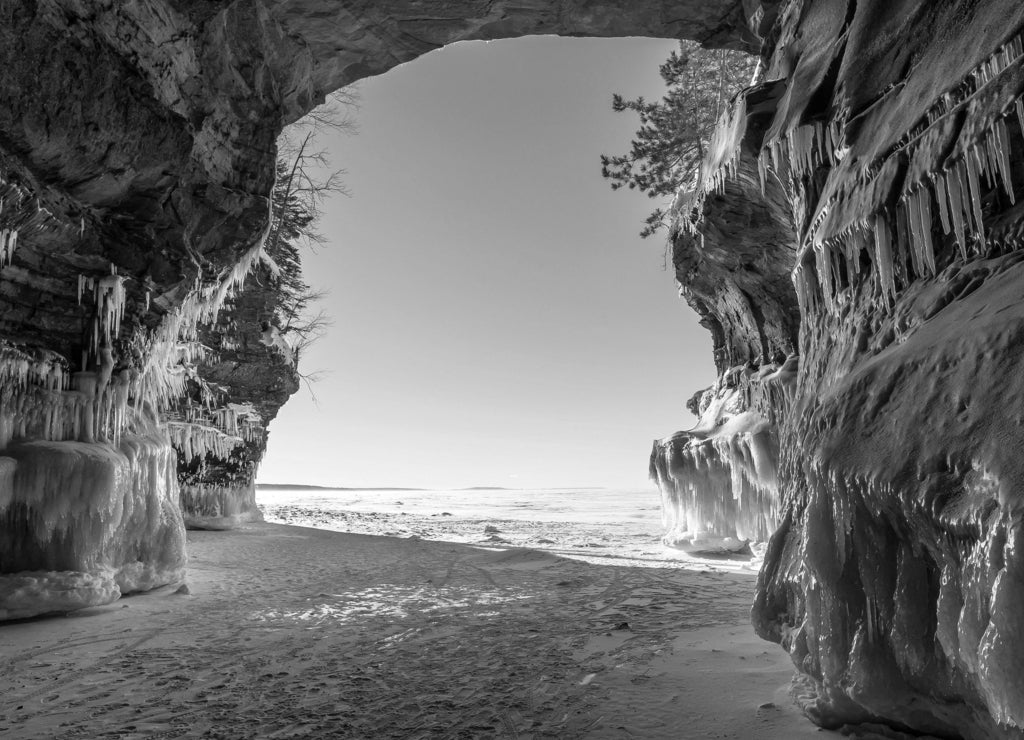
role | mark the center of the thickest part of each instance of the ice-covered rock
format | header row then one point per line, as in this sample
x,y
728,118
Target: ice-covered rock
x,y
894,140
219,507
718,481
240,386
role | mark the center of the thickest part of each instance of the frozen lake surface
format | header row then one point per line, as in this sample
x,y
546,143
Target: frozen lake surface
x,y
598,525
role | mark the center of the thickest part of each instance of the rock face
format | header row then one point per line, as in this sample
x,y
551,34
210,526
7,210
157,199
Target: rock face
x,y
895,576
249,378
853,248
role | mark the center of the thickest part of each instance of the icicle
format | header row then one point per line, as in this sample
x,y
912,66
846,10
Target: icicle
x,y
992,164
954,187
975,193
908,226
85,383
883,258
981,164
925,211
853,252
919,223
899,236
800,283
941,198
1002,145
824,269
8,244
110,299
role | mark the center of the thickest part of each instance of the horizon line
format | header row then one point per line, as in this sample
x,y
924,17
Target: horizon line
x,y
414,488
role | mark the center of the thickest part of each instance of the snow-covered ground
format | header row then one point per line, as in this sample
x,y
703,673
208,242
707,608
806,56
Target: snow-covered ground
x,y
306,633
596,525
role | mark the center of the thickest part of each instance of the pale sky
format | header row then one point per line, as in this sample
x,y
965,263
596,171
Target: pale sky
x,y
497,319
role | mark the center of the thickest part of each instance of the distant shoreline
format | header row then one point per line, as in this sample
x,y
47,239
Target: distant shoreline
x,y
307,487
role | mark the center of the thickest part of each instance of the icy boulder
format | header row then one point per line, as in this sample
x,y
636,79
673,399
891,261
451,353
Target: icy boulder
x,y
85,522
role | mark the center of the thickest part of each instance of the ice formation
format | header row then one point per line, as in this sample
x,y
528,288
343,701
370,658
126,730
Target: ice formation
x,y
17,214
272,337
89,492
719,480
219,507
86,522
198,440
231,389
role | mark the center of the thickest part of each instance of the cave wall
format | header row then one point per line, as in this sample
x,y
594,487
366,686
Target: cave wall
x,y
893,133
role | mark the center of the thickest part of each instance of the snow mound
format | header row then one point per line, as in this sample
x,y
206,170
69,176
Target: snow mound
x,y
29,594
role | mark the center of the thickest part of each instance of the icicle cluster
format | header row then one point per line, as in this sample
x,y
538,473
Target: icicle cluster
x,y
719,481
219,507
108,292
240,420
899,243
197,432
720,164
172,348
20,368
999,61
19,213
719,493
803,149
8,242
769,389
199,440
105,514
95,409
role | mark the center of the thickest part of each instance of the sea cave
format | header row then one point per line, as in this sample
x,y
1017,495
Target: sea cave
x,y
850,246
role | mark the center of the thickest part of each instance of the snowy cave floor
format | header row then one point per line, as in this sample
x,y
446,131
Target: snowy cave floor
x,y
296,632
